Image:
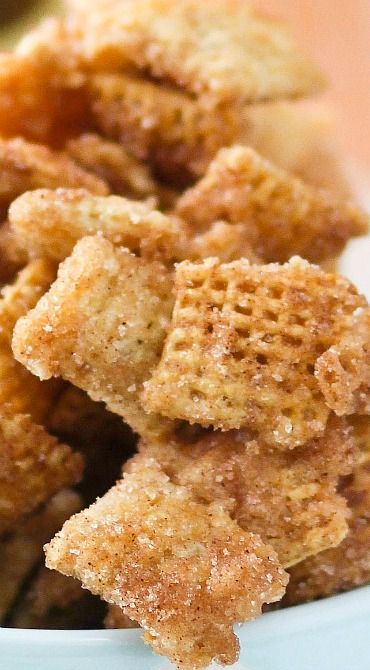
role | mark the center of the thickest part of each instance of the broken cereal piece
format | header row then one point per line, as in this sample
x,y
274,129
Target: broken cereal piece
x,y
183,570
281,215
66,215
347,565
102,327
288,498
34,466
26,393
343,372
243,344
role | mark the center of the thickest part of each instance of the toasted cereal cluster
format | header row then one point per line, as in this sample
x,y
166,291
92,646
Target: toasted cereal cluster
x,y
243,345
199,572
167,347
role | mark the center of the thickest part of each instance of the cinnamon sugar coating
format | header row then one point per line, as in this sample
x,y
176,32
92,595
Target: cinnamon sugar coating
x,y
281,215
101,326
242,347
183,570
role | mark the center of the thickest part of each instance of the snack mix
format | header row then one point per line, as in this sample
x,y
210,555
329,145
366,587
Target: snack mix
x,y
177,349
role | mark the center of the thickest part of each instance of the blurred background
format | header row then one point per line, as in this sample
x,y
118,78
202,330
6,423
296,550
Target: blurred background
x,y
336,33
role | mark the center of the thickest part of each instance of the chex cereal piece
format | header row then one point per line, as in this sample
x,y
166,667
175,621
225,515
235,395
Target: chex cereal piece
x,y
48,223
343,372
18,387
243,344
282,216
41,91
20,553
288,498
12,257
101,326
25,166
166,127
348,565
183,570
110,161
217,49
34,466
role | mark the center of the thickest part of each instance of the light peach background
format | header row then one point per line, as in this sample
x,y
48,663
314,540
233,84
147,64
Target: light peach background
x,y
336,33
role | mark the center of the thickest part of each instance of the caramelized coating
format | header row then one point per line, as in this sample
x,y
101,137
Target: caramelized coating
x,y
161,125
216,49
12,257
288,498
41,91
183,570
243,343
102,327
66,215
343,372
281,215
18,387
25,166
20,553
34,466
111,162
348,565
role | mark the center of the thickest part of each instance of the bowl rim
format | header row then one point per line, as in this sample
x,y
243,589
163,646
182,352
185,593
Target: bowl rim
x,y
318,614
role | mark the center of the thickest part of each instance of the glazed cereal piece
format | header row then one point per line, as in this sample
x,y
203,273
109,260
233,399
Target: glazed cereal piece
x,y
218,50
282,216
34,467
343,372
66,215
183,570
12,257
41,91
25,166
288,498
348,565
117,619
243,344
165,127
299,138
102,327
20,553
103,439
18,387
54,601
111,162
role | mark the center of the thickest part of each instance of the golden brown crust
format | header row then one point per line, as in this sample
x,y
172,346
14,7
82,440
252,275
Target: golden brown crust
x,y
18,387
243,343
348,565
25,166
101,327
281,215
343,372
226,241
12,257
20,553
111,162
218,49
48,223
184,571
290,499
165,127
34,466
